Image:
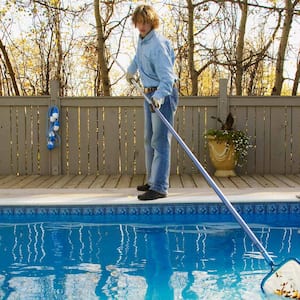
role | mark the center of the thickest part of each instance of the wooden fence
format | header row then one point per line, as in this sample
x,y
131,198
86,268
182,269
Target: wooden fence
x,y
104,135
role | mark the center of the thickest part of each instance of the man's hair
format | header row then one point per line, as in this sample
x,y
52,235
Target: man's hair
x,y
145,14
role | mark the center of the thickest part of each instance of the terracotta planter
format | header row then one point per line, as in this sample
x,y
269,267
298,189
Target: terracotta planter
x,y
222,157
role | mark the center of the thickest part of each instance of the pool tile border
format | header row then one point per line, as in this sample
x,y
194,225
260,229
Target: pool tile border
x,y
193,209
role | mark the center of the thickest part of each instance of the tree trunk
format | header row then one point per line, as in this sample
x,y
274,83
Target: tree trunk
x,y
58,72
240,48
191,47
10,69
289,9
297,77
102,69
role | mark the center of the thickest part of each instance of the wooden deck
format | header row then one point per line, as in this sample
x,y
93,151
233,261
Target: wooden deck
x,y
127,181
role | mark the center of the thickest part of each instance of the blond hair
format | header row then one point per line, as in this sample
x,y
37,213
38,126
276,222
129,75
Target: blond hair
x,y
145,14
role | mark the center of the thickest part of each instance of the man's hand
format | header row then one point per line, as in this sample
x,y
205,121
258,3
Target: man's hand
x,y
157,103
130,77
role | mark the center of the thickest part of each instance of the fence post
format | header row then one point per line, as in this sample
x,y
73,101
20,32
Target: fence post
x,y
223,101
55,154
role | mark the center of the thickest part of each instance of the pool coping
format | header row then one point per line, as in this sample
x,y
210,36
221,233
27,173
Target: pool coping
x,y
126,196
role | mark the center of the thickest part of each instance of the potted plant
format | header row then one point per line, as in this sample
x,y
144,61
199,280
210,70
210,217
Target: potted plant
x,y
228,147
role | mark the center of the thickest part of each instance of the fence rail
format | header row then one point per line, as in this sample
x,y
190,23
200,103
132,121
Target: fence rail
x,y
104,135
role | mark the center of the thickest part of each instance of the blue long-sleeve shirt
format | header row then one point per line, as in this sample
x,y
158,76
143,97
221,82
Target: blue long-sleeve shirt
x,y
154,59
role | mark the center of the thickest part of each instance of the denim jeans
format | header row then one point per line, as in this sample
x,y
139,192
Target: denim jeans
x,y
158,143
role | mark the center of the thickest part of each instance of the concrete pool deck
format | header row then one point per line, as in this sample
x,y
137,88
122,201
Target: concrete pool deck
x,y
123,196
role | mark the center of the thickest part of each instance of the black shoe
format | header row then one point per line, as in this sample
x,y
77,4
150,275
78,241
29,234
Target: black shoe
x,y
143,188
151,195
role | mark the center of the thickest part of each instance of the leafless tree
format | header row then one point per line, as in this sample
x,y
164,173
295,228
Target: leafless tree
x,y
10,69
297,77
289,12
106,24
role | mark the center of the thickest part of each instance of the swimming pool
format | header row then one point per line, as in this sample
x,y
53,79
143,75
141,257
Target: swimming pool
x,y
163,251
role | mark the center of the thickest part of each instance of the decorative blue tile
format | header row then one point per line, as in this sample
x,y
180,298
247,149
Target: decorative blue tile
x,y
19,211
203,209
8,211
30,211
99,211
239,208
271,208
224,210
42,211
87,211
52,211
110,210
64,211
283,208
145,211
180,210
121,210
168,210
191,210
157,210
259,209
133,211
248,209
76,211
295,208
214,210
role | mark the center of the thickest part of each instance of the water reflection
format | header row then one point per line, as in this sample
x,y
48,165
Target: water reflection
x,y
96,261
158,268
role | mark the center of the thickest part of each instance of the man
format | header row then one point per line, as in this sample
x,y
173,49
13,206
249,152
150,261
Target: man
x,y
154,60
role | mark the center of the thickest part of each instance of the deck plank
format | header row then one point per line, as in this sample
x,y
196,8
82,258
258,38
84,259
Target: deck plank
x,y
112,181
37,182
87,182
239,182
124,181
99,182
187,181
294,178
217,182
251,181
9,178
14,181
264,181
62,182
175,181
31,181
200,181
137,179
288,181
50,180
277,182
74,182
226,182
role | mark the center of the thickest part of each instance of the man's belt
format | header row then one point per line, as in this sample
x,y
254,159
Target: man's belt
x,y
148,90
152,89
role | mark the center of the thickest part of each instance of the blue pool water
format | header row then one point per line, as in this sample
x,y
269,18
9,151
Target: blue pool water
x,y
163,252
